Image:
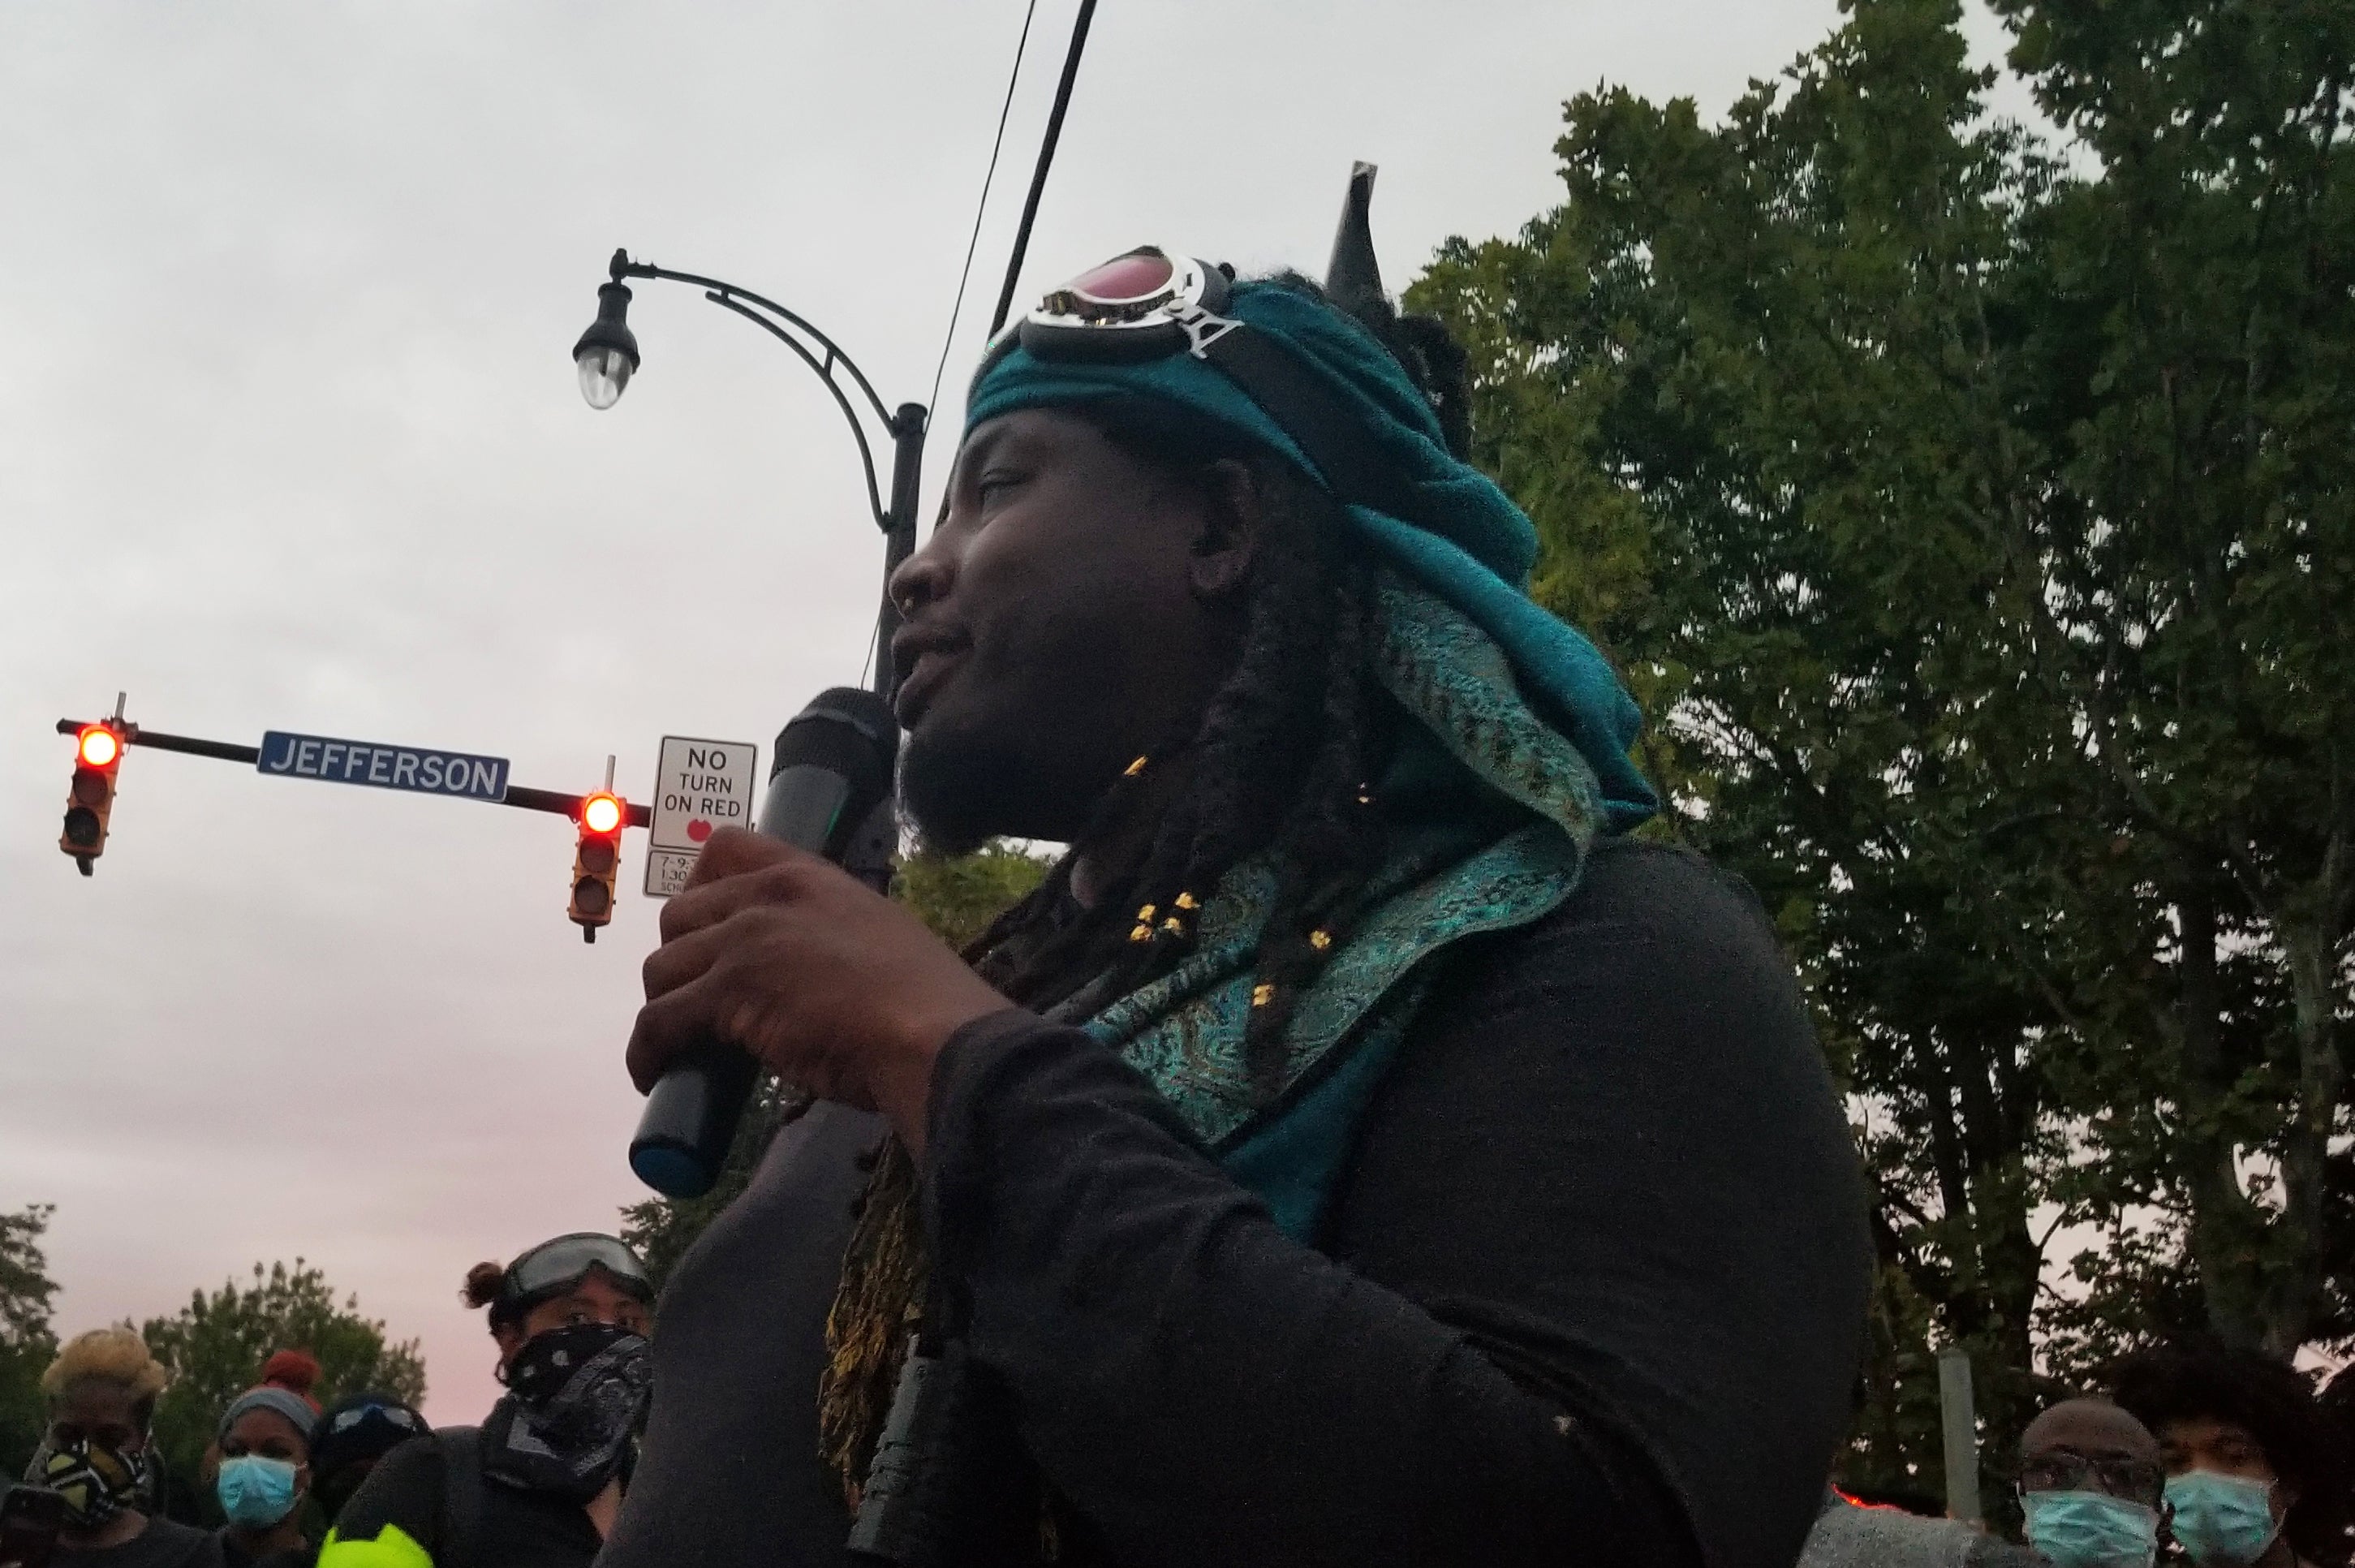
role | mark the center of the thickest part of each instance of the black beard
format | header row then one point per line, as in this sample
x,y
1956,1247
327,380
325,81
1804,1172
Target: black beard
x,y
959,791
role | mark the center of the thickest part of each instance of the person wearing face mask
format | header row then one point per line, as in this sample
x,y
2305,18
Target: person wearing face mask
x,y
101,1396
2256,1474
263,1450
2091,1486
539,1483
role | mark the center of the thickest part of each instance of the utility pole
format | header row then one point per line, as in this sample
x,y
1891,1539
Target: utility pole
x,y
1962,1431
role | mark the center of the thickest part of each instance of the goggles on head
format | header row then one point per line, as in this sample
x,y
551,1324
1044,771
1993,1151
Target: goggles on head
x,y
399,1416
1147,304
1152,303
555,1266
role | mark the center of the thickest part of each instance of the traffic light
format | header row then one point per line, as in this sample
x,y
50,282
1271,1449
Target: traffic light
x,y
98,754
597,861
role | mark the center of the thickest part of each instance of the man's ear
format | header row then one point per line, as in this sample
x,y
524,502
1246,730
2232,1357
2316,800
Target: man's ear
x,y
1226,541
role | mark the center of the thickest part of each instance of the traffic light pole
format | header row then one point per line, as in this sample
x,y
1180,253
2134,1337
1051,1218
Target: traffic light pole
x,y
517,795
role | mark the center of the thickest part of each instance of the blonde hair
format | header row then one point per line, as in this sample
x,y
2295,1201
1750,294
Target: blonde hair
x,y
116,1357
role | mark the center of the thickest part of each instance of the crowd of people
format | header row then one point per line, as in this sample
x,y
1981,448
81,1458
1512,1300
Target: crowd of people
x,y
366,1482
2187,1453
1360,1149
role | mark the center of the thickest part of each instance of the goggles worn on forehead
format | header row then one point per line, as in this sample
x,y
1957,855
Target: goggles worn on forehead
x,y
399,1416
1152,304
554,1266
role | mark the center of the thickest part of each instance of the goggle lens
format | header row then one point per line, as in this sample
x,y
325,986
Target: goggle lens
x,y
1125,278
554,1265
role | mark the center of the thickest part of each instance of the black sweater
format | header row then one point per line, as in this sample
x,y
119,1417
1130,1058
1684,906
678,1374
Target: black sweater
x,y
1593,1288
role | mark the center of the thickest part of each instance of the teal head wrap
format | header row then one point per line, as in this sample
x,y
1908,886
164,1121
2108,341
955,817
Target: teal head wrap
x,y
1466,542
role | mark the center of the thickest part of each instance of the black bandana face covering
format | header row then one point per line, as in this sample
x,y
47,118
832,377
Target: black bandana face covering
x,y
96,1482
575,1398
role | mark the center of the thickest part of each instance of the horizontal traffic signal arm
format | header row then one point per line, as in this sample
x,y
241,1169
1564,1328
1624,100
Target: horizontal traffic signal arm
x,y
517,795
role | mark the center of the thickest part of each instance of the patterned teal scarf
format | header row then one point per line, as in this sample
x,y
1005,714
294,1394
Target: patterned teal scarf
x,y
1184,1032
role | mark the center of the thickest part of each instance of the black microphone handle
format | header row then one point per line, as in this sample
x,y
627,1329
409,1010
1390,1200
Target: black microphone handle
x,y
818,779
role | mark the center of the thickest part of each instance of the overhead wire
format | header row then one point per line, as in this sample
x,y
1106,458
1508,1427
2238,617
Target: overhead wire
x,y
965,274
1046,161
981,207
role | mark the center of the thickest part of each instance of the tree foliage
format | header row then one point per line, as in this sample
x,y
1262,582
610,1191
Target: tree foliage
x,y
28,1340
1972,516
216,1345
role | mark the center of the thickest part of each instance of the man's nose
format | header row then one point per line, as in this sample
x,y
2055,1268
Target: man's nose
x,y
923,578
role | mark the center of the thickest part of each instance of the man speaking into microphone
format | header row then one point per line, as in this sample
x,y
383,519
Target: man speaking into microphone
x,y
1357,1150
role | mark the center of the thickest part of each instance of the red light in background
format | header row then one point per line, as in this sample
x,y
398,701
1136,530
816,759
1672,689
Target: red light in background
x,y
99,746
602,814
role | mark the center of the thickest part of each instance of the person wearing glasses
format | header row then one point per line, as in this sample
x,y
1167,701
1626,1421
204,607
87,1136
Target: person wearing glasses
x,y
2092,1487
1359,1149
2258,1475
537,1485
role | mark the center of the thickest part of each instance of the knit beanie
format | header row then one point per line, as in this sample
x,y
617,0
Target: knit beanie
x,y
285,1388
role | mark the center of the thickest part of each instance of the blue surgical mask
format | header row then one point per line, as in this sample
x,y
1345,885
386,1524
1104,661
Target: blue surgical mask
x,y
256,1491
2091,1530
2225,1522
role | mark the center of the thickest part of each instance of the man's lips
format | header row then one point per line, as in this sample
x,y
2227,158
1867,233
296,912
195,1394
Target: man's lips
x,y
932,666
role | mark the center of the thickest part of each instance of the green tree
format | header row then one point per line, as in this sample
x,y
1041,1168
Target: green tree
x,y
2194,353
28,1341
216,1345
1761,361
957,896
1974,523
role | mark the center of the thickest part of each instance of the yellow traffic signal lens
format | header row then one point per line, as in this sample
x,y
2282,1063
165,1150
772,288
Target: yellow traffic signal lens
x,y
602,814
99,746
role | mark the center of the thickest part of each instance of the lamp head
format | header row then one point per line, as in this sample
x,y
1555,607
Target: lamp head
x,y
607,354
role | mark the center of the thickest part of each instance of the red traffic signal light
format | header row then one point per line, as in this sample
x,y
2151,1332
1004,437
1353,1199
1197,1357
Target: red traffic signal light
x,y
603,814
97,755
597,861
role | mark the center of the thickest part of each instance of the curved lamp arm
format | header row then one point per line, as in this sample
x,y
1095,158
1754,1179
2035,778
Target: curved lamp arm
x,y
741,301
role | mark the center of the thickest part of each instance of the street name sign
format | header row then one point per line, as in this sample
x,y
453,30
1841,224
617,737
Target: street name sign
x,y
418,769
700,786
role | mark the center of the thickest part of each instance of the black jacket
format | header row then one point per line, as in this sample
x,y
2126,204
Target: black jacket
x,y
1593,1288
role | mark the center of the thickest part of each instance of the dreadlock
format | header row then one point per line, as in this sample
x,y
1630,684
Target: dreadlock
x,y
1281,762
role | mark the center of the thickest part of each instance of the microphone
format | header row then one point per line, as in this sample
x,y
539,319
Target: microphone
x,y
829,793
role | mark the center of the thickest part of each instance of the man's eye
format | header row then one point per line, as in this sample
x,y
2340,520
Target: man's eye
x,y
997,482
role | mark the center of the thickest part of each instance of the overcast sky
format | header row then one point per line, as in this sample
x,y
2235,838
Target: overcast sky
x,y
289,438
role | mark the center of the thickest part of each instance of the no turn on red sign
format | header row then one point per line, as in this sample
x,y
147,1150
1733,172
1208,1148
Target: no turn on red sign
x,y
700,786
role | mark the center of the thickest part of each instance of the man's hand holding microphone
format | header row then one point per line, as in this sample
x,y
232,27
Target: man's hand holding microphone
x,y
834,988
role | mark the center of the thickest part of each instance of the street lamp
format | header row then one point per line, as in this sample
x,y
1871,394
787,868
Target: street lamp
x,y
607,355
608,352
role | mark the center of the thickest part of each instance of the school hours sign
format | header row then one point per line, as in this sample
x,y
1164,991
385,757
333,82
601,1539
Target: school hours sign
x,y
700,786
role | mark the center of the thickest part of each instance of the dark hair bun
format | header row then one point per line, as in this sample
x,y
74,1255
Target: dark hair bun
x,y
294,1370
484,1281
